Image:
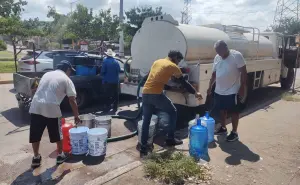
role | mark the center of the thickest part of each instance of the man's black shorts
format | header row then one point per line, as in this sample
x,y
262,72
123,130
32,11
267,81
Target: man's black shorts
x,y
38,125
230,103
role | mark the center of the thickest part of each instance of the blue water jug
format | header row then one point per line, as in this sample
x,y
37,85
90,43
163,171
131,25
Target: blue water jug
x,y
198,147
209,123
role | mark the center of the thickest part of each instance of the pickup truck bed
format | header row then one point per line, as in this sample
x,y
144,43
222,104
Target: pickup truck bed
x,y
87,87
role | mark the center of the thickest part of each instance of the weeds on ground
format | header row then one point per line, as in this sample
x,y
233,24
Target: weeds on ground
x,y
289,96
175,168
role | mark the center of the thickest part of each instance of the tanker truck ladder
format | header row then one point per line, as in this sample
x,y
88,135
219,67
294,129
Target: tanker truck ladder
x,y
242,29
257,79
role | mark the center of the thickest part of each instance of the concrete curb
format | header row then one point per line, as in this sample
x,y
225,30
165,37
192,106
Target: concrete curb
x,y
114,174
6,82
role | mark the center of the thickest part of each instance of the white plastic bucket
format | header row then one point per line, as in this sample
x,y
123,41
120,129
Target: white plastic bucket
x,y
103,122
79,140
151,131
153,118
97,138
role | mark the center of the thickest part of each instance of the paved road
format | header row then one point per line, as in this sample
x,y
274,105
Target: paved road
x,y
16,152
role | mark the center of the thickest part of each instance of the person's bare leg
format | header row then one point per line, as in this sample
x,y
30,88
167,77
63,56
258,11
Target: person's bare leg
x,y
235,121
36,147
223,115
59,147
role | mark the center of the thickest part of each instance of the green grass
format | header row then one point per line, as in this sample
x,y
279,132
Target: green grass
x,y
175,168
291,97
7,67
9,55
6,54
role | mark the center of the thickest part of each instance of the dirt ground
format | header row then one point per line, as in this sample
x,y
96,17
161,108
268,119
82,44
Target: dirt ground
x,y
268,152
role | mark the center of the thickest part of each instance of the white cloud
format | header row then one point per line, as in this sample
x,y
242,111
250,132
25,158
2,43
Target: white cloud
x,y
242,12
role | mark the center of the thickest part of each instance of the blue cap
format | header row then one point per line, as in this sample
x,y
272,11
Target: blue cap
x,y
64,64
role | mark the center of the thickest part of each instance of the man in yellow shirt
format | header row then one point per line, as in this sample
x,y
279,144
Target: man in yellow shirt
x,y
154,98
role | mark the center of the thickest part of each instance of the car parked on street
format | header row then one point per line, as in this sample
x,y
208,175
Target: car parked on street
x,y
44,60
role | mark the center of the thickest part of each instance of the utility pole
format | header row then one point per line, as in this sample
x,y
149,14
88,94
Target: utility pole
x,y
121,39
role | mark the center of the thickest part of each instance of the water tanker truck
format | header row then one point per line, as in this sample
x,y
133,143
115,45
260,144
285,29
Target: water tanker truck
x,y
268,57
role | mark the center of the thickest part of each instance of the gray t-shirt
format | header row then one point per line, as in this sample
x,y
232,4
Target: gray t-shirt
x,y
52,89
227,73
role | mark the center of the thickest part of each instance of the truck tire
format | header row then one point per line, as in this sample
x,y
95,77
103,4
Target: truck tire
x,y
65,105
286,83
82,99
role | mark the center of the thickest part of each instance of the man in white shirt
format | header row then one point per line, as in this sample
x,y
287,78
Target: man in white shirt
x,y
45,109
230,75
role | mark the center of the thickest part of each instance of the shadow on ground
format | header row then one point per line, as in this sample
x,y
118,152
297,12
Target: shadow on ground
x,y
237,150
34,177
16,116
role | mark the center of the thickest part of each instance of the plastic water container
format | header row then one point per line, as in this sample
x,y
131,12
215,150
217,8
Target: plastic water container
x,y
103,122
198,146
153,118
85,70
209,123
79,140
151,131
97,138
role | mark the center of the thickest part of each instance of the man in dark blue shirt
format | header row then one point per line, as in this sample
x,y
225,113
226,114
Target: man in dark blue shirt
x,y
110,72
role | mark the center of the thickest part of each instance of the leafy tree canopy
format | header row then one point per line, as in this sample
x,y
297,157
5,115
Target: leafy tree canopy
x,y
136,16
287,26
11,7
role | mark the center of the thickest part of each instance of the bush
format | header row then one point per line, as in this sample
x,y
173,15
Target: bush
x,y
3,45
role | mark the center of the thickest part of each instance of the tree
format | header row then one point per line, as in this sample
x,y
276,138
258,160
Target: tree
x,y
56,30
81,22
287,26
10,8
18,30
12,26
105,26
136,16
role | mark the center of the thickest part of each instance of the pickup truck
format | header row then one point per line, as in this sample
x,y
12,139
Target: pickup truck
x,y
88,88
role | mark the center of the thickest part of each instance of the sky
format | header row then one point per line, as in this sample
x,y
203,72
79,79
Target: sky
x,y
254,13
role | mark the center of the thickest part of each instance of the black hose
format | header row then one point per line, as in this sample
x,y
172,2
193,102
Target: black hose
x,y
139,113
126,66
